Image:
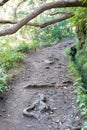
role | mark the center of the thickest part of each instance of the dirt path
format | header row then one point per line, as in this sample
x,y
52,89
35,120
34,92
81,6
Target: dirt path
x,y
44,72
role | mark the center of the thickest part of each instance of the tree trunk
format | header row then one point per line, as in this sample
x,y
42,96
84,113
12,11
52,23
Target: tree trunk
x,y
81,30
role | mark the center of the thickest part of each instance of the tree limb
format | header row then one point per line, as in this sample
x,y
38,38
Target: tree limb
x,y
39,10
67,16
41,25
2,2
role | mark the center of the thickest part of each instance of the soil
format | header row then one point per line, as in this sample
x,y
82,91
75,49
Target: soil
x,y
44,72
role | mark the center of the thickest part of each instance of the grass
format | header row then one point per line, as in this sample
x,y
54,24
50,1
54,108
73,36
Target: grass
x,y
9,58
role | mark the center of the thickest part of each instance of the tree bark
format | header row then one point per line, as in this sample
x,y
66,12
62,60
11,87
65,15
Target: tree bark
x,y
81,30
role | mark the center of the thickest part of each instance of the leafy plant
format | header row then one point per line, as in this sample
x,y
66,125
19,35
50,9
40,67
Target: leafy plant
x,y
3,80
78,69
22,48
9,58
84,125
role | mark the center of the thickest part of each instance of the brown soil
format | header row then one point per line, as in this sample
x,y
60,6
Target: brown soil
x,y
44,72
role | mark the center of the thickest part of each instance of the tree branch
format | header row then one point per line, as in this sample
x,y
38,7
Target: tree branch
x,y
42,8
2,2
41,25
67,16
8,22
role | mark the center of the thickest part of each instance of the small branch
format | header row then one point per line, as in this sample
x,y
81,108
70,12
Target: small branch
x,y
8,22
15,11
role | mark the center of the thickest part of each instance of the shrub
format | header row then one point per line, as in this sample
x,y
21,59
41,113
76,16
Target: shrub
x,y
22,48
9,58
3,80
79,70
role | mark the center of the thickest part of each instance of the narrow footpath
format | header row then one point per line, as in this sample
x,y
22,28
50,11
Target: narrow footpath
x,y
44,72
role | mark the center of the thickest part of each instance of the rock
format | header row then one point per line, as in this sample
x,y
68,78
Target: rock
x,y
47,67
3,110
49,126
49,61
2,96
76,128
67,82
67,129
30,126
1,115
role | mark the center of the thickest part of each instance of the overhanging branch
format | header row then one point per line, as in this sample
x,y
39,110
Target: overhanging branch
x,y
39,10
2,2
41,25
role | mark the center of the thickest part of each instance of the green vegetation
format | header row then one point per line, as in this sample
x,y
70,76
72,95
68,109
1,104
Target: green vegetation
x,y
78,69
50,34
8,58
3,78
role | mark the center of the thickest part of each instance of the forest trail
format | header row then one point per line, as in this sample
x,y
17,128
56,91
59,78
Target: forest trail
x,y
44,72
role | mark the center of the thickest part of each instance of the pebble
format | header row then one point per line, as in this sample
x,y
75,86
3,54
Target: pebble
x,y
3,110
49,126
30,126
49,61
47,67
1,115
67,129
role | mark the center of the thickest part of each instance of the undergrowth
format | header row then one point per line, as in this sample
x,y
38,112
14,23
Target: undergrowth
x,y
3,80
78,70
9,57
